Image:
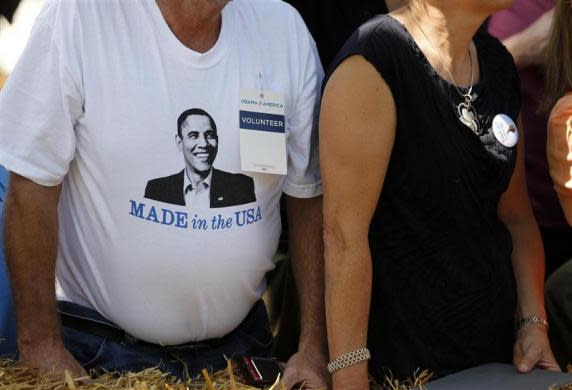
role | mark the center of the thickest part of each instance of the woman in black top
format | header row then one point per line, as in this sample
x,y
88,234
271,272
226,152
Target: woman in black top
x,y
413,148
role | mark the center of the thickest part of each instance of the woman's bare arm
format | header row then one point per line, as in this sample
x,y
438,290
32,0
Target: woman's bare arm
x,y
531,348
357,130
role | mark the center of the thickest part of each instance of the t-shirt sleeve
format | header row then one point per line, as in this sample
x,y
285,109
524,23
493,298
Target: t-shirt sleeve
x,y
559,152
42,100
303,179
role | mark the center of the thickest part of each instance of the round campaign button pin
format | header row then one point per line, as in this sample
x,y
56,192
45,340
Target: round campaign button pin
x,y
505,130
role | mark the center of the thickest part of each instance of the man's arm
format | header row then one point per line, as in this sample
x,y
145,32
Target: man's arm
x,y
306,258
308,365
31,236
357,132
531,347
528,46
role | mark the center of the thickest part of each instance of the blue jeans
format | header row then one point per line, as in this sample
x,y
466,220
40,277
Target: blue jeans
x,y
252,337
7,314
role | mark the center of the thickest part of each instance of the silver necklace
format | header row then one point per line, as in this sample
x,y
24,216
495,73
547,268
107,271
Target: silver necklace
x,y
465,110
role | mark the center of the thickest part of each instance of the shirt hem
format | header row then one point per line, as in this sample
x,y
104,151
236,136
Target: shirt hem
x,y
27,170
305,191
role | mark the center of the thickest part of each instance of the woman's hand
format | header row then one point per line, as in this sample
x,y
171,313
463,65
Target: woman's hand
x,y
532,349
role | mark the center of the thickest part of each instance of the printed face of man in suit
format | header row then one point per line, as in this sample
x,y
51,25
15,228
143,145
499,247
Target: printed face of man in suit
x,y
198,140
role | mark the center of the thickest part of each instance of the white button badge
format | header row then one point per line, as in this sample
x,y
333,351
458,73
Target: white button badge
x,y
505,130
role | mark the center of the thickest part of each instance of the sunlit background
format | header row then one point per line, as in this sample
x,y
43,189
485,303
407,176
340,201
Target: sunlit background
x,y
13,36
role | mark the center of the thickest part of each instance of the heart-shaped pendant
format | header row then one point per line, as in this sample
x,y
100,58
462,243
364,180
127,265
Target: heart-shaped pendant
x,y
468,117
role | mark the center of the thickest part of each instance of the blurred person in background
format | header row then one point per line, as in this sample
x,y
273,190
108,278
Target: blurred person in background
x,y
558,101
524,30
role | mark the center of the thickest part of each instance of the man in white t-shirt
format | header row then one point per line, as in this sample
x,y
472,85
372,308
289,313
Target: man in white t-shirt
x,y
87,120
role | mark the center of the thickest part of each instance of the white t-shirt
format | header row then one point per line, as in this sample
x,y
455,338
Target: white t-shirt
x,y
94,102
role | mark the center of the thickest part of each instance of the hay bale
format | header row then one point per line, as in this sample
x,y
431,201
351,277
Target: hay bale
x,y
14,376
417,381
565,387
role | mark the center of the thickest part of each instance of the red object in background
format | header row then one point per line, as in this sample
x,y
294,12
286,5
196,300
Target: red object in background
x,y
260,372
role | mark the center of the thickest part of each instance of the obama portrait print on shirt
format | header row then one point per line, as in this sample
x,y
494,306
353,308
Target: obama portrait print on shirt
x,y
199,183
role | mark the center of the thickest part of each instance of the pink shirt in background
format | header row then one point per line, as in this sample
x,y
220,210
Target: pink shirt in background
x,y
540,188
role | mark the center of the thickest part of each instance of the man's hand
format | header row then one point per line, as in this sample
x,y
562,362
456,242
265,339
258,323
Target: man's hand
x,y
308,366
307,369
532,349
50,356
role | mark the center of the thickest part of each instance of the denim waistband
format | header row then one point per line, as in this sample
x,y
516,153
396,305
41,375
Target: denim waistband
x,y
88,320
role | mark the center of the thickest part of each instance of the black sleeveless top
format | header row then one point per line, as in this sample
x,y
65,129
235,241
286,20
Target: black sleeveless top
x,y
443,295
